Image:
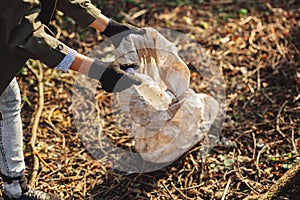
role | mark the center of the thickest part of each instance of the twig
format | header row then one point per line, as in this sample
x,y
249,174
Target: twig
x,y
226,189
254,144
84,185
56,130
42,160
193,187
291,177
128,17
293,136
277,119
267,97
178,190
58,29
258,156
38,113
258,79
168,191
139,13
244,180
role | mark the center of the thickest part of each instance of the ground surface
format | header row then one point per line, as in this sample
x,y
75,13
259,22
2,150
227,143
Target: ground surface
x,y
256,44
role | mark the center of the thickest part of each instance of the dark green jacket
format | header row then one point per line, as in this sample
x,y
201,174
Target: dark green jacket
x,y
24,33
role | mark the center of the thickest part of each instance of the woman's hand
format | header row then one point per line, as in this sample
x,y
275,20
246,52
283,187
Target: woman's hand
x,y
112,76
118,31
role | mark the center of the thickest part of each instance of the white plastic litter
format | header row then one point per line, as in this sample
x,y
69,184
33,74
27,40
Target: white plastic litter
x,y
153,93
168,118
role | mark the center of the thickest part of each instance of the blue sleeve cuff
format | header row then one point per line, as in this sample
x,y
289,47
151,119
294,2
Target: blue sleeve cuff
x,y
65,64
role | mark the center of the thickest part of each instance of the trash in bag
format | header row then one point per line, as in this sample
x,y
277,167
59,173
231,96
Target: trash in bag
x,y
153,93
168,118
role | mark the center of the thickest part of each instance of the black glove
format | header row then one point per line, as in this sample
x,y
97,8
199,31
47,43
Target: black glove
x,y
114,28
112,75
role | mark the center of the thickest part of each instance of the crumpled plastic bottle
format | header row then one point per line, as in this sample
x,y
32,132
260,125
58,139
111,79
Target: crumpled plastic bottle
x,y
152,92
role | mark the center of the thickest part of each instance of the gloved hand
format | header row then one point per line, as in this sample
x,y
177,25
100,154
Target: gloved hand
x,y
114,28
112,75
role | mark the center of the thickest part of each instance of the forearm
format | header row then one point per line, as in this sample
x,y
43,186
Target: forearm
x,y
100,23
81,64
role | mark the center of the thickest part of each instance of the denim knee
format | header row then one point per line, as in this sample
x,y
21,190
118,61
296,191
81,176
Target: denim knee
x,y
10,100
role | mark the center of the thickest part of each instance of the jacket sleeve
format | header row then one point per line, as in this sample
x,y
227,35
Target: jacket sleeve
x,y
82,11
27,36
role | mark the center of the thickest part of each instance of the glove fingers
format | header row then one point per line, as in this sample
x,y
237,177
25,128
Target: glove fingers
x,y
137,31
141,32
134,79
126,66
126,81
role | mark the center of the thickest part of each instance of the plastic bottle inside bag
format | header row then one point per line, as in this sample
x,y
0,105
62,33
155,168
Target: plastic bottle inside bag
x,y
152,92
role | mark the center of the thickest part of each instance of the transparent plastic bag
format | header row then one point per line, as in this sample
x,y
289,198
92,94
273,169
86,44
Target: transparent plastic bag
x,y
163,135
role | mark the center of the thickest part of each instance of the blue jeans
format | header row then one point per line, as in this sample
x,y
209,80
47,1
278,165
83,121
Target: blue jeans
x,y
11,135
